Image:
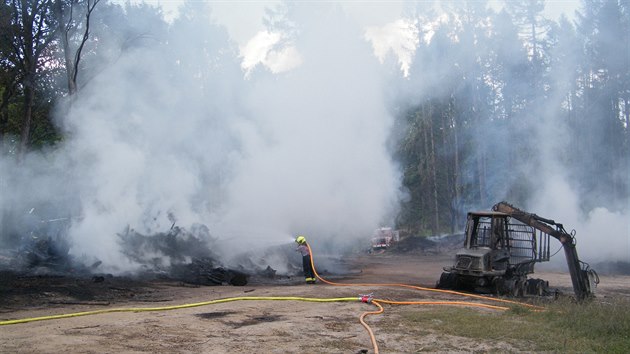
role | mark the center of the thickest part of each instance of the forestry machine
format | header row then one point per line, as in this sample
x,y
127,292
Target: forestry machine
x,y
499,253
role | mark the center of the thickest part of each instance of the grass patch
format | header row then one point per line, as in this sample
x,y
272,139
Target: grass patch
x,y
597,326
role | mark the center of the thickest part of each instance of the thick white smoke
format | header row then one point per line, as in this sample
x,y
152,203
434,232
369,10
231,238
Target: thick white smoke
x,y
314,157
603,230
602,235
173,132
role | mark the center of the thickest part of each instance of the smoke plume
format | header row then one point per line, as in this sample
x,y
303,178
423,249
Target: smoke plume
x,y
173,132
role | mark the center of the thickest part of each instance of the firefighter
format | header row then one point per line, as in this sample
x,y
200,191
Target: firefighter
x,y
307,266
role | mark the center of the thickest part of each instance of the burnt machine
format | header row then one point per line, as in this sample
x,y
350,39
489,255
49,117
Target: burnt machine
x,y
501,248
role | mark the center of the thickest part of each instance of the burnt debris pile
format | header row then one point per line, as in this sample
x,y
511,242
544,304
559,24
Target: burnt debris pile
x,y
35,241
194,256
162,249
180,254
34,246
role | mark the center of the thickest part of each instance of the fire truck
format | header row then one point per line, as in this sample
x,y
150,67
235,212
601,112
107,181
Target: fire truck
x,y
383,238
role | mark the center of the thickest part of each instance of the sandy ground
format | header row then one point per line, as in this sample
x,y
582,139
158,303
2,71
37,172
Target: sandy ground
x,y
254,326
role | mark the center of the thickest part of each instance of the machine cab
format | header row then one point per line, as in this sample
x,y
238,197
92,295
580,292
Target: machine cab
x,y
486,229
486,244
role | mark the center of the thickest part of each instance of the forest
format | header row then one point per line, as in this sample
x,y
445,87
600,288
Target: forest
x,y
518,95
494,104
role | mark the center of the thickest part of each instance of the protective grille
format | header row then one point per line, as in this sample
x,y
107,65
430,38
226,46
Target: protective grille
x,y
522,243
468,263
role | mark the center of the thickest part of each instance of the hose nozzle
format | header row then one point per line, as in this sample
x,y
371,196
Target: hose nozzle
x,y
367,298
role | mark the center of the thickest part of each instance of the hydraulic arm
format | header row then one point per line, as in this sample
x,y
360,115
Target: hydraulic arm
x,y
582,277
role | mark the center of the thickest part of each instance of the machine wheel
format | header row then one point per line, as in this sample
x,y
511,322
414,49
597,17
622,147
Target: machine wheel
x,y
505,286
537,287
447,281
508,286
497,286
516,288
524,284
540,288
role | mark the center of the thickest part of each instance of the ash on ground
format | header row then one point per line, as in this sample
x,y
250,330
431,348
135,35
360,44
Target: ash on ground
x,y
41,272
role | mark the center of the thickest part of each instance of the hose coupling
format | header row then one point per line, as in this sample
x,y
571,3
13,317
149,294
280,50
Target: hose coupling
x,y
367,298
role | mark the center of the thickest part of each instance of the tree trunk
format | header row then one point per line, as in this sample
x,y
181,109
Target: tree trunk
x,y
433,174
450,166
426,174
63,29
456,175
29,98
4,111
72,59
481,171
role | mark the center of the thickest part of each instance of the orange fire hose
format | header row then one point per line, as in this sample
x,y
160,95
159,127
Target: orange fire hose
x,y
447,303
421,288
367,327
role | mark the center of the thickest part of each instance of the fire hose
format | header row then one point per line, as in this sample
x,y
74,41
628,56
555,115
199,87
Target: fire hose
x,y
378,302
481,297
177,307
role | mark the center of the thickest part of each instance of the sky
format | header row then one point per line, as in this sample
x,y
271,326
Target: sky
x,y
384,27
243,18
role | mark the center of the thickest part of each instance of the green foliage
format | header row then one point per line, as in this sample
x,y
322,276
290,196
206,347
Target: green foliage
x,y
41,67
44,132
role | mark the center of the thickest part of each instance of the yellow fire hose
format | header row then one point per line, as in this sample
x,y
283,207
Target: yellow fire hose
x,y
176,307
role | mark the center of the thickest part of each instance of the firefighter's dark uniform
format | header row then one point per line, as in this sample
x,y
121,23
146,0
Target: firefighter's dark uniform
x,y
309,274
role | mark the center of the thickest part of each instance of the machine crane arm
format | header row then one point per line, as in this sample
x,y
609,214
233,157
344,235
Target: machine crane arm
x,y
582,277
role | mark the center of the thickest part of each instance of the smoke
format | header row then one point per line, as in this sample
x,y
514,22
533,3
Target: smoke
x,y
314,153
599,217
172,132
601,235
530,157
179,128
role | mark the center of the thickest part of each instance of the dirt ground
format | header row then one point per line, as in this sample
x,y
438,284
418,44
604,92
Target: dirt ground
x,y
246,326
